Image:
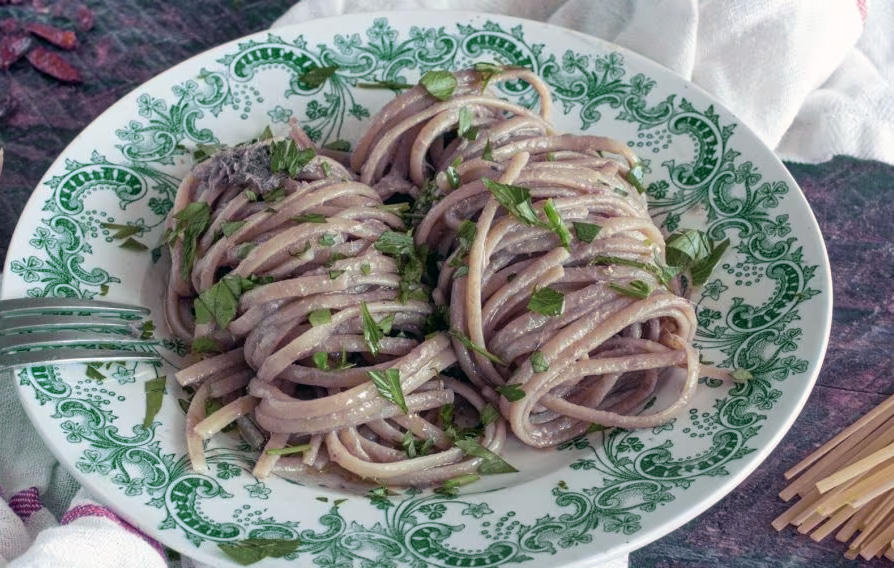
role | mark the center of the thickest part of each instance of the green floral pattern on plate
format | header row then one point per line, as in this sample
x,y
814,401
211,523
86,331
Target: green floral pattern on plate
x,y
748,313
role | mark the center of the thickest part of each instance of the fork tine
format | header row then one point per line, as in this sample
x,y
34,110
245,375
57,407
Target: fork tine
x,y
72,355
29,323
56,338
23,306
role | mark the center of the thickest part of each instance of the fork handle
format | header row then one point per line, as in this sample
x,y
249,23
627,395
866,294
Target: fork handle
x,y
23,306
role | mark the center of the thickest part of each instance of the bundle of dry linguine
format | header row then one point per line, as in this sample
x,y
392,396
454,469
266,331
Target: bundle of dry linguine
x,y
846,486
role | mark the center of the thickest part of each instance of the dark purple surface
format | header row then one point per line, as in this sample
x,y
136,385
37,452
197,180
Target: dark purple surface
x,y
853,200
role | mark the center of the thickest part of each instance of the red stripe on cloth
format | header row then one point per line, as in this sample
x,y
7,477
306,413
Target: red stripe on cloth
x,y
99,511
863,6
25,503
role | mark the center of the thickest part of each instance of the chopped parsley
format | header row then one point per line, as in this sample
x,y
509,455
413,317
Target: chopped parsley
x,y
439,84
546,301
512,392
387,382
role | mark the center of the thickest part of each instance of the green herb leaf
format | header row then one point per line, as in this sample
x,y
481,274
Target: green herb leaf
x,y
155,391
121,231
338,146
490,462
230,227
594,427
133,244
621,192
365,269
741,375
635,177
288,451
516,200
586,232
439,84
327,169
205,345
687,247
414,447
556,224
266,134
286,157
93,373
334,274
338,502
546,301
103,289
394,243
635,289
192,221
486,72
450,488
466,236
309,218
388,384
146,329
205,151
319,317
488,153
242,249
326,240
465,128
489,414
394,85
539,362
702,270
250,196
445,413
251,550
221,301
273,196
321,360
460,272
511,392
469,344
317,76
562,484
453,177
372,334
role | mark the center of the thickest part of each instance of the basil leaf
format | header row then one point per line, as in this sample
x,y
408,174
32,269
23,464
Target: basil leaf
x,y
687,247
490,462
511,392
635,177
439,84
387,382
205,345
635,289
556,224
701,271
317,76
488,153
192,221
221,301
546,301
489,414
338,146
121,231
133,244
586,232
286,157
516,200
288,450
321,360
450,487
251,550
464,128
155,392
372,334
319,317
394,85
230,227
539,362
469,344
309,218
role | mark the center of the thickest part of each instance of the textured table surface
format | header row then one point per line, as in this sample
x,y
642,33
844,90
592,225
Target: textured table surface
x,y
133,40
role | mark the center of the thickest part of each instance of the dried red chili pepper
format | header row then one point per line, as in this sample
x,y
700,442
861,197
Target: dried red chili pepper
x,y
84,18
54,65
10,25
12,48
65,39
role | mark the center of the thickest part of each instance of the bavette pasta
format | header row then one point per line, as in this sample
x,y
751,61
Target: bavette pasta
x,y
390,314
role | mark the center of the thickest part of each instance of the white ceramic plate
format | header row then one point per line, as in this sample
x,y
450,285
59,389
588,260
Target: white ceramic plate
x,y
767,308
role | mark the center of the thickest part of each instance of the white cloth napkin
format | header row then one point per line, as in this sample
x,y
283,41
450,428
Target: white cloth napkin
x,y
803,74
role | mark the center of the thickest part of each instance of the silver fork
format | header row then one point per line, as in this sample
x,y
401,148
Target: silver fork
x,y
70,330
